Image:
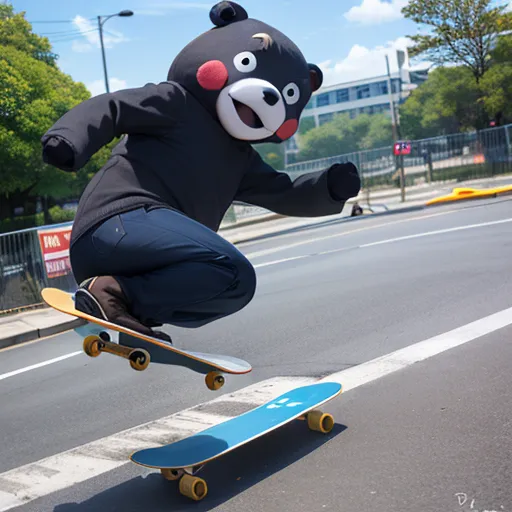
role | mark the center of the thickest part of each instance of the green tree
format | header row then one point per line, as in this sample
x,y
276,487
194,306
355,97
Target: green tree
x,y
496,85
344,135
447,102
462,31
272,154
35,93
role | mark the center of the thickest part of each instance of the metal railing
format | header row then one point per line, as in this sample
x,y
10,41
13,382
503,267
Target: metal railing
x,y
456,157
22,270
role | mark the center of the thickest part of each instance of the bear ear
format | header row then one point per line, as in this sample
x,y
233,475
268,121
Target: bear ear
x,y
316,77
225,13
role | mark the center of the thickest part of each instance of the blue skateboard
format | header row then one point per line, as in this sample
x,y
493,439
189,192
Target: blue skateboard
x,y
183,459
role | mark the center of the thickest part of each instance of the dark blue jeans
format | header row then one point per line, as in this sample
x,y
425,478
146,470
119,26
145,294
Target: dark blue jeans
x,y
172,269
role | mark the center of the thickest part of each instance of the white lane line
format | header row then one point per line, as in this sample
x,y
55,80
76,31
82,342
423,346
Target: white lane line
x,y
399,359
388,241
272,250
27,483
438,232
39,365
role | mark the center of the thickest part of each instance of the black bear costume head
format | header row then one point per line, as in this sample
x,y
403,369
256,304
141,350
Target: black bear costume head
x,y
248,74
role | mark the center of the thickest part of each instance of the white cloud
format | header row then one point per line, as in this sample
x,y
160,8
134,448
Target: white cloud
x,y
362,62
98,86
89,31
374,12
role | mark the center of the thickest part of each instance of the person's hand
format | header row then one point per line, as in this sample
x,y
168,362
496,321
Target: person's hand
x,y
343,181
58,152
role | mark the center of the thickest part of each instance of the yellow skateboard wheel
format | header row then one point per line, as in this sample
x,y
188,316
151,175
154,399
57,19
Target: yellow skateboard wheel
x,y
139,359
193,487
214,381
171,474
91,345
320,422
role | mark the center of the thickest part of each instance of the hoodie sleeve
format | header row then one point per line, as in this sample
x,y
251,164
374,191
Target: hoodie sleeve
x,y
86,128
306,196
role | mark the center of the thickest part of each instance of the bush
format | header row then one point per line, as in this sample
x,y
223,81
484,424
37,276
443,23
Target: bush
x,y
57,216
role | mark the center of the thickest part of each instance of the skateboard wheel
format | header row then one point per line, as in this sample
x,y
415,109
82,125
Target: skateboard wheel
x,y
320,422
139,359
171,474
214,381
104,335
92,345
193,487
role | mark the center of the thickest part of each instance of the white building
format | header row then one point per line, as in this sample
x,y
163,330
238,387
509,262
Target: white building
x,y
368,96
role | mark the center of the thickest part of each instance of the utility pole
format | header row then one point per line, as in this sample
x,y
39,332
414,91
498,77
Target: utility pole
x,y
101,21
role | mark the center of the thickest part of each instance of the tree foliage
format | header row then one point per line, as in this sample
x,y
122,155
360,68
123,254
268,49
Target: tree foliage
x,y
344,135
462,31
34,94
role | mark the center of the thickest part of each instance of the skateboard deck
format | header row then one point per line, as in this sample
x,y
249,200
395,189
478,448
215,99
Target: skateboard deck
x,y
140,349
182,459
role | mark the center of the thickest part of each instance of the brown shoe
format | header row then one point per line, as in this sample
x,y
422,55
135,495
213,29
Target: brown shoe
x,y
102,297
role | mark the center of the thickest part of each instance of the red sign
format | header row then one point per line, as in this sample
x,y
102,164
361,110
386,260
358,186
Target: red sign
x,y
402,148
55,248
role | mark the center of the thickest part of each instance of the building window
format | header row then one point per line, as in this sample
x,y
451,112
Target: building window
x,y
291,144
363,91
322,100
324,118
382,88
341,95
310,104
353,113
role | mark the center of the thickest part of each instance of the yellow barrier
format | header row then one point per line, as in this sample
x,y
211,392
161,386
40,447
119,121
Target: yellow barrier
x,y
461,194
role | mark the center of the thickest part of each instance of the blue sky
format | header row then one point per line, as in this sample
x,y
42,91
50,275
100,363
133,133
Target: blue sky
x,y
348,38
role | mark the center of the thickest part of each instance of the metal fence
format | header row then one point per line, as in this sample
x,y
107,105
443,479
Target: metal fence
x,y
22,270
456,157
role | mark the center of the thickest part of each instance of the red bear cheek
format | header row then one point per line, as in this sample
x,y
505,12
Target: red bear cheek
x,y
212,75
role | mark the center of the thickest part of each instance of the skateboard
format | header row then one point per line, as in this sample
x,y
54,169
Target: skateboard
x,y
181,460
140,349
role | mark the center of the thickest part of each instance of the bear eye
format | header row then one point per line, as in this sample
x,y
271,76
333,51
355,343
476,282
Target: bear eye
x,y
245,62
291,94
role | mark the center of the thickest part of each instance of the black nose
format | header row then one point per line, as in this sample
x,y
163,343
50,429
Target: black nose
x,y
270,96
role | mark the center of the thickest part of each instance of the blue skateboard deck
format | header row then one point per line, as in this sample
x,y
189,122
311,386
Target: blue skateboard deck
x,y
182,459
140,349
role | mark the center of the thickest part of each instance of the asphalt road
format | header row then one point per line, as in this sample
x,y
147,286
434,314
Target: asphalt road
x,y
435,435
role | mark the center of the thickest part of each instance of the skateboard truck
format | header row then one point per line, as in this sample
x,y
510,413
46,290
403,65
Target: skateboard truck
x,y
95,344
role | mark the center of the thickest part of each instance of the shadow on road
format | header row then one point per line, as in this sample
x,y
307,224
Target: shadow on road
x,y
226,477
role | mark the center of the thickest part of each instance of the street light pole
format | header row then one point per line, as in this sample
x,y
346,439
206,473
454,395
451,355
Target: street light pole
x,y
101,22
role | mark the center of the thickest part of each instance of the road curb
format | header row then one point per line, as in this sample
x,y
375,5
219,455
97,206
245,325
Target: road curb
x,y
36,333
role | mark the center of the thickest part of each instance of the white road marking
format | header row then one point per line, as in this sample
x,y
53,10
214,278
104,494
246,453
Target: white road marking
x,y
438,232
388,241
32,481
39,365
399,359
272,250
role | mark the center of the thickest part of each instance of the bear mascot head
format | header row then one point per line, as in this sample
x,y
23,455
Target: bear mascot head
x,y
249,75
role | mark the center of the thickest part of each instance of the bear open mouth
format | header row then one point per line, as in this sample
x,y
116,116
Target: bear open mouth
x,y
247,115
